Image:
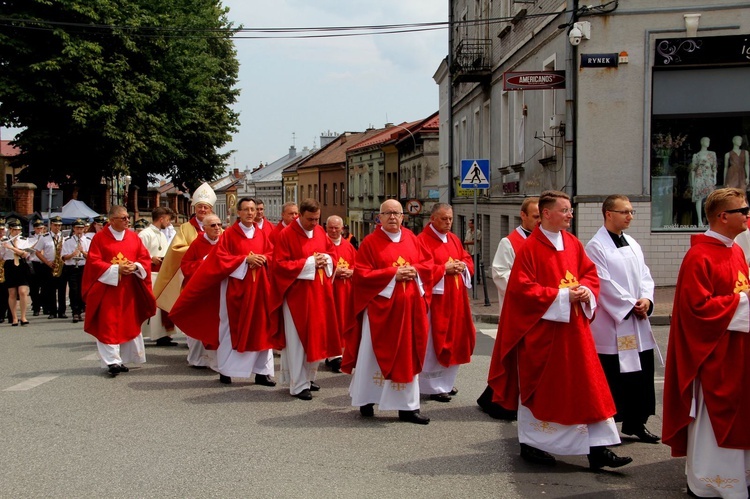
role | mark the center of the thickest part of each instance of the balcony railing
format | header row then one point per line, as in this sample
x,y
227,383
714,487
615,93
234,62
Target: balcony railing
x,y
472,61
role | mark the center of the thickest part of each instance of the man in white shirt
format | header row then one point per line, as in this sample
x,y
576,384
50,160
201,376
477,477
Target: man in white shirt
x,y
156,243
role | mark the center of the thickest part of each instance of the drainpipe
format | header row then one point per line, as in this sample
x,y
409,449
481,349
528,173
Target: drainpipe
x,y
571,102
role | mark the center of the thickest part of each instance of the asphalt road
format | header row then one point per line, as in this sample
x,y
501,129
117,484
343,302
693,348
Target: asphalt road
x,y
165,430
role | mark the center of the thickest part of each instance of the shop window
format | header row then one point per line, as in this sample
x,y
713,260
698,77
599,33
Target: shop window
x,y
691,157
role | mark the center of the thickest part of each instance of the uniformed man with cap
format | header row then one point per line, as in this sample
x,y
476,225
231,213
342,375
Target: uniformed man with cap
x,y
35,284
139,225
75,249
4,310
98,224
50,253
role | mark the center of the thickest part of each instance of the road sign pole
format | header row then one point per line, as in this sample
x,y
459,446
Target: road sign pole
x,y
475,255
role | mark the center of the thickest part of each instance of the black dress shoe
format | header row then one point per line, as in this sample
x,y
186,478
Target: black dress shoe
x,y
24,323
304,395
113,369
63,316
14,324
494,410
36,313
440,397
225,379
52,316
264,380
165,341
124,368
413,417
334,364
642,433
454,391
367,410
602,456
314,387
536,456
76,319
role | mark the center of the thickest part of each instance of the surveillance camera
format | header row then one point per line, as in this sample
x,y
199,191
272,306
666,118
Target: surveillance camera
x,y
575,36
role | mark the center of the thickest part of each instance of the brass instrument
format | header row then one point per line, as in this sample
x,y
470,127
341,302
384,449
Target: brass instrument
x,y
2,262
57,265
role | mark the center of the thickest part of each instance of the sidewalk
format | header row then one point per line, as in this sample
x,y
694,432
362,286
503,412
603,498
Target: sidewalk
x,y
663,299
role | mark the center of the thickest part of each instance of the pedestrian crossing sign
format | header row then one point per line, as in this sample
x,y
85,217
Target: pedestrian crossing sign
x,y
475,173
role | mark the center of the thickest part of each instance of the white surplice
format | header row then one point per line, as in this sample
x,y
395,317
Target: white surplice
x,y
624,279
501,265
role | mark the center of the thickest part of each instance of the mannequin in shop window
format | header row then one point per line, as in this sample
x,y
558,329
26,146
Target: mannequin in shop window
x,y
702,176
736,166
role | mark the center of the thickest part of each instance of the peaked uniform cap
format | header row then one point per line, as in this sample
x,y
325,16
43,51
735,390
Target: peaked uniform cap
x,y
79,223
204,194
38,223
56,219
14,223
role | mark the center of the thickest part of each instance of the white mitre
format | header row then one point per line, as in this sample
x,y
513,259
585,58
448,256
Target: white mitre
x,y
204,194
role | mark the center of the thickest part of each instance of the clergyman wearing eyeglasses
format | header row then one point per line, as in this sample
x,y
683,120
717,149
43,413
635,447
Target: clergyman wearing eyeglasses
x,y
117,291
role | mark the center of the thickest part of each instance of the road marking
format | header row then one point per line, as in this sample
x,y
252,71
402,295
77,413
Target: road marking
x,y
492,333
30,383
93,356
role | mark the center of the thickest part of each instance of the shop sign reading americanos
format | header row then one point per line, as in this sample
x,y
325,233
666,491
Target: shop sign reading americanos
x,y
533,80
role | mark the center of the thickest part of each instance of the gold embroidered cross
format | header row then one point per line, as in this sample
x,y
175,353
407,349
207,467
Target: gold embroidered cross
x,y
455,276
626,343
119,259
320,271
570,281
399,387
253,269
400,262
378,378
543,427
741,284
342,263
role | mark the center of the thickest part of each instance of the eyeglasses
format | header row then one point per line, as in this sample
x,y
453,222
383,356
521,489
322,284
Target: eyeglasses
x,y
623,212
744,210
392,214
214,225
119,218
565,211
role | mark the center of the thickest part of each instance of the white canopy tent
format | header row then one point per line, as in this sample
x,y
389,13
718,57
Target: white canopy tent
x,y
73,210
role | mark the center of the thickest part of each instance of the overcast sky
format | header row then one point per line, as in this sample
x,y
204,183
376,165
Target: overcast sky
x,y
308,86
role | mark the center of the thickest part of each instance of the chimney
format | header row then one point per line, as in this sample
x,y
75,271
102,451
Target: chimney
x,y
23,196
292,152
236,173
388,125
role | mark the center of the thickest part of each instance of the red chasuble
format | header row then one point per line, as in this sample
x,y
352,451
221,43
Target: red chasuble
x,y
700,347
197,309
554,363
114,314
310,302
398,325
453,332
267,228
516,240
276,231
343,292
194,257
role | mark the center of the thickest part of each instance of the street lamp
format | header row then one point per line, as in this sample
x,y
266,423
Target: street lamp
x,y
126,182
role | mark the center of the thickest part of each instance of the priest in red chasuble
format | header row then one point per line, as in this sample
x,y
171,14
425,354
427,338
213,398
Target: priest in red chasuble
x,y
302,270
260,218
289,213
707,376
116,288
393,278
200,355
225,302
452,334
343,293
548,367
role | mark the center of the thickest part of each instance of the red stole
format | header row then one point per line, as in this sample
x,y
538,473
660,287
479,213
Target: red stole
x,y
554,363
114,314
453,333
707,295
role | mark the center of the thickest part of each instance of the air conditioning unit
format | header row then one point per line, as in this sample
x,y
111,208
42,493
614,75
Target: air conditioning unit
x,y
556,120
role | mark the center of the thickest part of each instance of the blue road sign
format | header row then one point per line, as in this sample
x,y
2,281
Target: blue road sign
x,y
475,173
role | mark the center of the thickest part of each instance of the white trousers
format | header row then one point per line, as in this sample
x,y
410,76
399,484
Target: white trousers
x,y
295,369
198,355
369,387
714,471
565,440
130,352
435,377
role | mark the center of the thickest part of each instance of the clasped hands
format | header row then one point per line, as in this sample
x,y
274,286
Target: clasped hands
x,y
455,267
127,267
640,309
344,272
255,261
406,273
579,294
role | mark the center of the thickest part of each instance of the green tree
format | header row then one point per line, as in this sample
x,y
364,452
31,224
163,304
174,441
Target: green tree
x,y
109,86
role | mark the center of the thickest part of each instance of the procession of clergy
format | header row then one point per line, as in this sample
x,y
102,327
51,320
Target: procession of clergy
x,y
574,351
